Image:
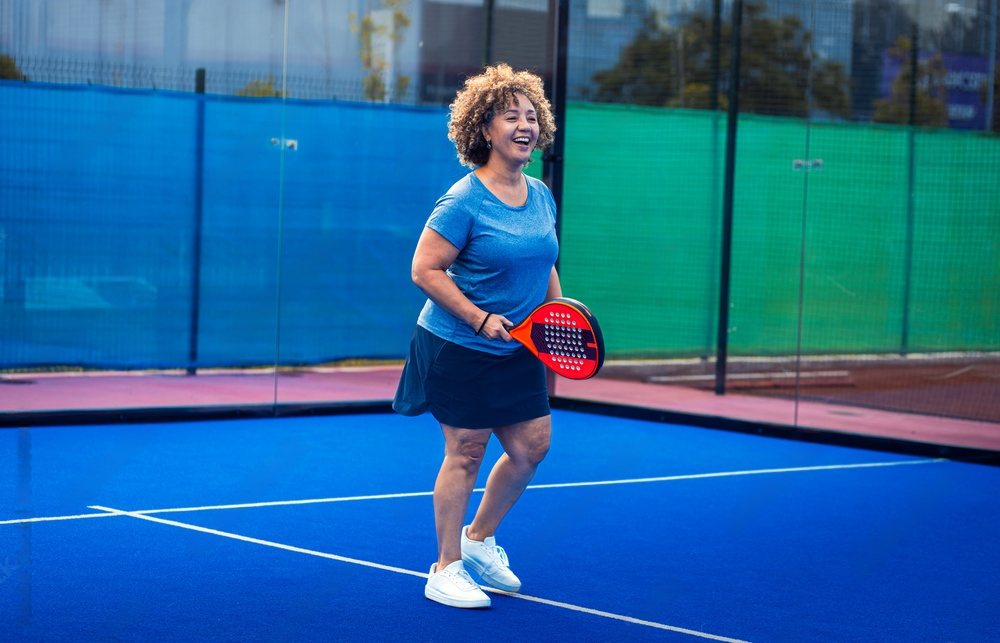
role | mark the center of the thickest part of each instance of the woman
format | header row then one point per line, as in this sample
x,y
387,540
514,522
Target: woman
x,y
485,259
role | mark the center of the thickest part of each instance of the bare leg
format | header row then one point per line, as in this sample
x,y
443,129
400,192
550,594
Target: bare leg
x,y
463,454
525,445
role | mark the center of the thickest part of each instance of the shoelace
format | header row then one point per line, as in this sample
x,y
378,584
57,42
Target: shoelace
x,y
502,555
461,579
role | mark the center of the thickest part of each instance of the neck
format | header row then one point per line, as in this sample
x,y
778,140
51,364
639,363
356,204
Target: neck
x,y
501,174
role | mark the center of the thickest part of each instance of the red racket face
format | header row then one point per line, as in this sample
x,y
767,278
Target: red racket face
x,y
565,336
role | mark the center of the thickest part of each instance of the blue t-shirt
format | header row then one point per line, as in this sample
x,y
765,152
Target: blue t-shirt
x,y
504,261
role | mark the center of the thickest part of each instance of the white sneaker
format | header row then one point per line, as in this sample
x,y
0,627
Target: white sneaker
x,y
489,561
453,586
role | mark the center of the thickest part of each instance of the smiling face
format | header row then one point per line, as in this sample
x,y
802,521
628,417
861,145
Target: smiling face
x,y
513,132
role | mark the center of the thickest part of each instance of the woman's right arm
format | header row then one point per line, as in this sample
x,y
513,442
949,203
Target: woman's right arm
x,y
431,260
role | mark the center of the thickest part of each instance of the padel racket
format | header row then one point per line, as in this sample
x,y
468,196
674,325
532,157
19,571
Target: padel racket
x,y
565,335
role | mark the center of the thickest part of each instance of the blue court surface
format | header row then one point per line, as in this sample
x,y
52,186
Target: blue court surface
x,y
321,529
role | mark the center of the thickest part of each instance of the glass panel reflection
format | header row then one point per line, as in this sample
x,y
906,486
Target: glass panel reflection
x,y
366,173
139,212
267,224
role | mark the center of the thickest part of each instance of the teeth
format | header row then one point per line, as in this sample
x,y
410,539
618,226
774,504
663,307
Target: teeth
x,y
521,140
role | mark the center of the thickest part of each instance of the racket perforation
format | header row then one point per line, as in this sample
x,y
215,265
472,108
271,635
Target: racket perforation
x,y
565,336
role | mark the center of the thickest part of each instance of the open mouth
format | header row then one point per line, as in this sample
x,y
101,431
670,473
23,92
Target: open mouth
x,y
522,140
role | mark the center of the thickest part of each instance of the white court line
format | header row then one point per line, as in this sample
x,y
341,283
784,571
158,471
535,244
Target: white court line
x,y
618,617
408,572
20,521
725,474
692,476
248,505
256,541
284,503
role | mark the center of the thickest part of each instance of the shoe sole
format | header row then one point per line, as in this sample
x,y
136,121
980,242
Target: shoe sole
x,y
444,599
479,569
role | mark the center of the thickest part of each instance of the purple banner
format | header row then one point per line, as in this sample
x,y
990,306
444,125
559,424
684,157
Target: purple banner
x,y
965,81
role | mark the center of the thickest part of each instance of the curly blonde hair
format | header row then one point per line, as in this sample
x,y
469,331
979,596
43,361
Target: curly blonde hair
x,y
479,101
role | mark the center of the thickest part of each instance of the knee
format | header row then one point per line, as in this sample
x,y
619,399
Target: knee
x,y
531,453
467,455
539,451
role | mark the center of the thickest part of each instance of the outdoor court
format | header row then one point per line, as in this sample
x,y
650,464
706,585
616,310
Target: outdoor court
x,y
321,528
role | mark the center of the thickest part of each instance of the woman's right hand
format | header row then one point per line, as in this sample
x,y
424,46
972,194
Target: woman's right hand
x,y
495,328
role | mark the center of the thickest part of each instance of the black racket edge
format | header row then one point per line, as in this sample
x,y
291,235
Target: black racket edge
x,y
589,316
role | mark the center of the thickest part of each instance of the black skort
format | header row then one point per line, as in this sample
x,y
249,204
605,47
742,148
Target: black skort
x,y
470,389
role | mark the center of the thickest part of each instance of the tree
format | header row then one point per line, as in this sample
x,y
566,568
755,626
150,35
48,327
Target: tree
x,y
369,31
9,69
930,95
672,67
775,72
645,72
260,88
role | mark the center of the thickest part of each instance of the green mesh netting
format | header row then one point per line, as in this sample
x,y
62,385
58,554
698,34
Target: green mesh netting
x,y
641,234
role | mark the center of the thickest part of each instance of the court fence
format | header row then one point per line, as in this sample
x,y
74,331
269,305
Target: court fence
x,y
284,231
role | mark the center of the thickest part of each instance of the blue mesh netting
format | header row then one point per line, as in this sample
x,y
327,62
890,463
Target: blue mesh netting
x,y
98,226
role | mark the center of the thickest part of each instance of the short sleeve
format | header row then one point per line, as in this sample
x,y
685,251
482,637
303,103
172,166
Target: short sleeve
x,y
451,220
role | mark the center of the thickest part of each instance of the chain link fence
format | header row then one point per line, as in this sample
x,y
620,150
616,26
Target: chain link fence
x,y
242,82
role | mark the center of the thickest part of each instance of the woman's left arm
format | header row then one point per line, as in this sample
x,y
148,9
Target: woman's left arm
x,y
555,289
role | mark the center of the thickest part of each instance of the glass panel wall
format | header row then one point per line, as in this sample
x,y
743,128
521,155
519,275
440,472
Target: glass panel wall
x,y
902,253
647,140
140,194
368,164
864,224
242,236
368,158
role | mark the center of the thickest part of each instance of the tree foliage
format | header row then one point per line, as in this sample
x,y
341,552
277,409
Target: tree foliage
x,y
9,69
260,88
372,60
930,95
671,67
